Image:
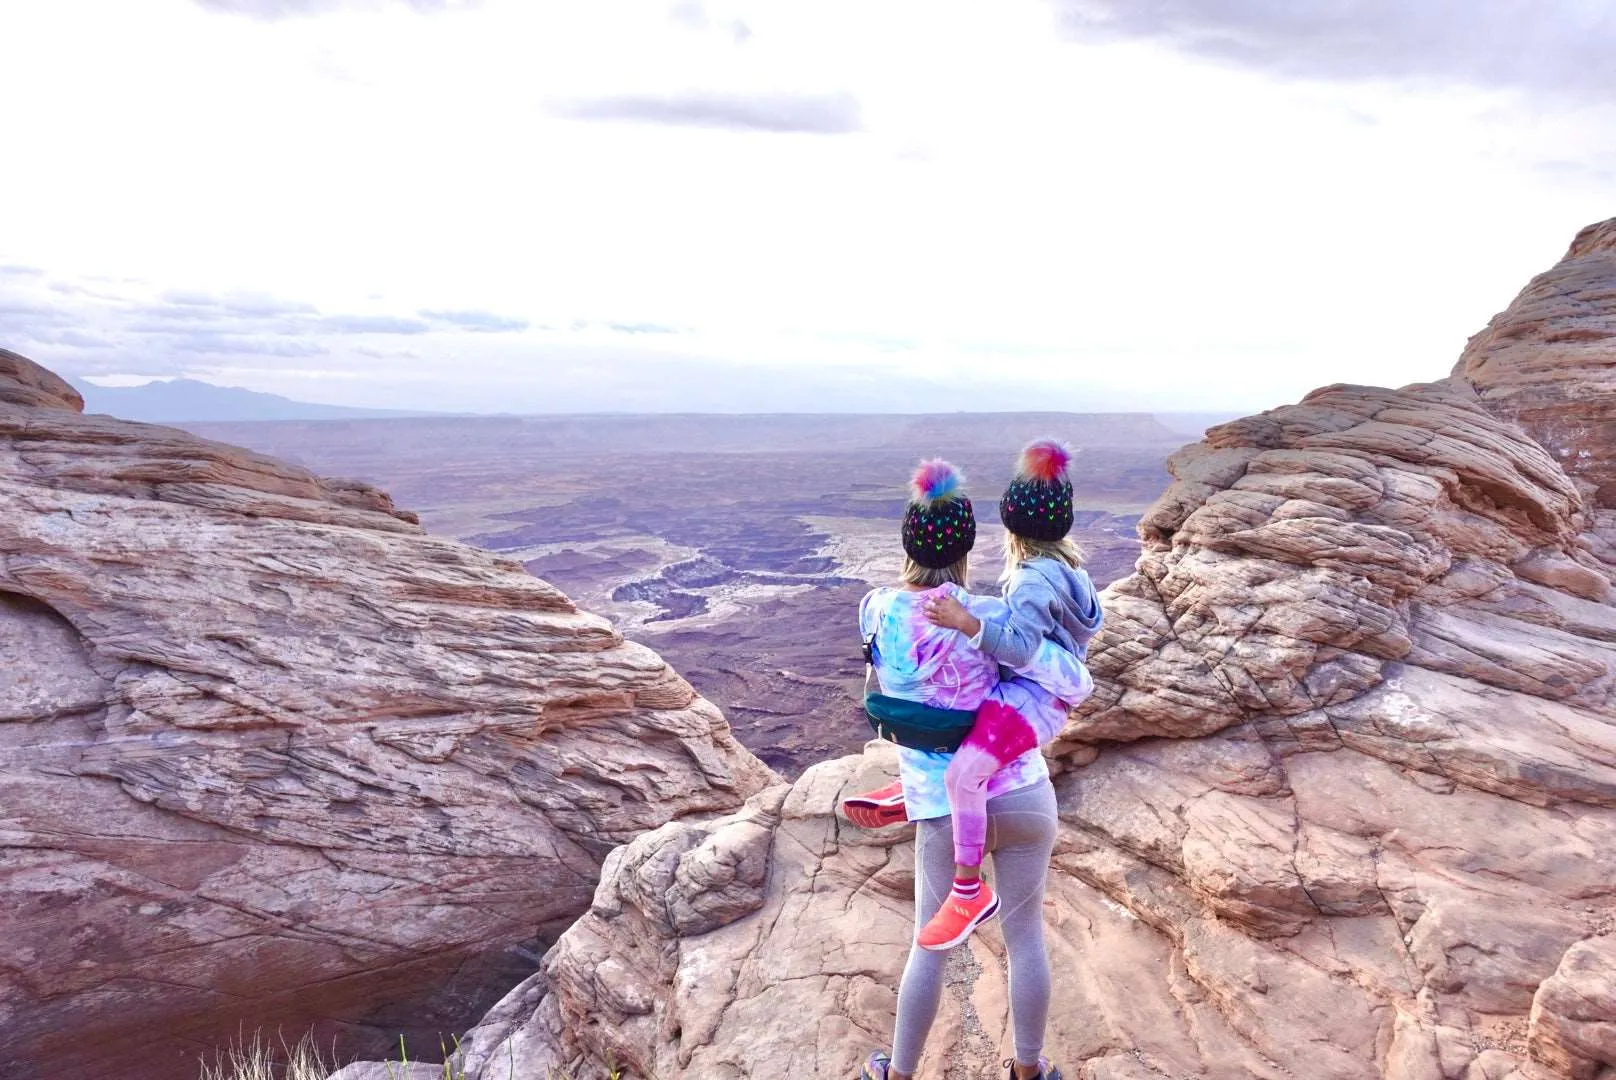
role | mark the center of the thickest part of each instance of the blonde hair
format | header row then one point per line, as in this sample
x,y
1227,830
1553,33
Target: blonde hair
x,y
931,577
1021,549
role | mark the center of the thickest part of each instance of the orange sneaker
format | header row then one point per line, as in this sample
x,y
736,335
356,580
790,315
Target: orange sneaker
x,y
873,809
956,919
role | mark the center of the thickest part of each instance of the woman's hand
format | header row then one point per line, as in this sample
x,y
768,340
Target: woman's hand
x,y
948,612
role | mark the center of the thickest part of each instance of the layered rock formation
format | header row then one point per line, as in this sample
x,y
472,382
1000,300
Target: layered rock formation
x,y
1549,362
271,756
1343,804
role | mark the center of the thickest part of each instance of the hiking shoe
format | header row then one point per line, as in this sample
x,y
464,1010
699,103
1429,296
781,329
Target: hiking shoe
x,y
873,809
956,919
876,1066
1046,1071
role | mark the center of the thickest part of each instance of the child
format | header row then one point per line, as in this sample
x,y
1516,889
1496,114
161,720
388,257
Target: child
x,y
1041,630
1047,592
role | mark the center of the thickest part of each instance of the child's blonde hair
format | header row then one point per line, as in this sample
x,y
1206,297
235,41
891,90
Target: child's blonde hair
x,y
931,577
1021,549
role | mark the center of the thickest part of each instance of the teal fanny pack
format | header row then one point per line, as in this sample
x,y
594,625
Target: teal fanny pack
x,y
917,726
909,723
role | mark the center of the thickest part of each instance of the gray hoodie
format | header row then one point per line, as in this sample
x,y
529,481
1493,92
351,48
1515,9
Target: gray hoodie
x,y
1047,599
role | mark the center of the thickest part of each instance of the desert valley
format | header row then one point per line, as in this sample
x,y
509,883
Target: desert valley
x,y
737,547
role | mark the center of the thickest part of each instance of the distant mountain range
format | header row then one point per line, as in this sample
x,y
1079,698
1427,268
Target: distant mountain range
x,y
1193,424
188,401
191,400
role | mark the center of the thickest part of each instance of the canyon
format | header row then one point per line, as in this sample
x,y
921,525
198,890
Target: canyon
x,y
1342,806
737,547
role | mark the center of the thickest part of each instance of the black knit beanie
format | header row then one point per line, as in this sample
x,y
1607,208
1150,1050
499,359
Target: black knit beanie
x,y
939,528
1038,503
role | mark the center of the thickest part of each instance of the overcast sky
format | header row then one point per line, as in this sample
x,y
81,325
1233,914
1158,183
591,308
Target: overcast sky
x,y
869,204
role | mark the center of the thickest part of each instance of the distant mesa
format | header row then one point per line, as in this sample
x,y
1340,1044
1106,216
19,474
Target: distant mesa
x,y
177,401
192,401
1193,424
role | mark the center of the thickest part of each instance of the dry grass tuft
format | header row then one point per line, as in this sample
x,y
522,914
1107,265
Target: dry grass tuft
x,y
260,1059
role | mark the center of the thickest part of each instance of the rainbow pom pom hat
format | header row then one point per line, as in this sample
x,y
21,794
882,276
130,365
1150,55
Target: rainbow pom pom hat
x,y
939,528
1038,503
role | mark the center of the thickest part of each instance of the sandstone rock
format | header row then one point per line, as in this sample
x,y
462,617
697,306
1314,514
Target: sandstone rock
x,y
1342,806
1548,361
1574,1013
23,382
390,1070
270,756
804,982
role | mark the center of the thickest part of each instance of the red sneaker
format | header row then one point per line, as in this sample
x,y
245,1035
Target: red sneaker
x,y
956,919
873,809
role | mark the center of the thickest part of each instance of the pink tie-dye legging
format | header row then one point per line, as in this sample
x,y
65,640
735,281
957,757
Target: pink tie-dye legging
x,y
999,736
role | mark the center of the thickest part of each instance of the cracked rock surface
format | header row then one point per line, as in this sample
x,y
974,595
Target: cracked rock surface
x,y
1343,805
271,756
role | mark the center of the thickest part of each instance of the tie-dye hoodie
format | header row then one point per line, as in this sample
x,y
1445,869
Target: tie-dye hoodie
x,y
918,661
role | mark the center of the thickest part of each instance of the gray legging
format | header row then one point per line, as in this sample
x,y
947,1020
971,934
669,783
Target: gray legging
x,y
1021,836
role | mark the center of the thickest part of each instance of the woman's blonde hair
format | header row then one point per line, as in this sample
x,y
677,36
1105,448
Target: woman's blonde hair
x,y
1020,549
930,577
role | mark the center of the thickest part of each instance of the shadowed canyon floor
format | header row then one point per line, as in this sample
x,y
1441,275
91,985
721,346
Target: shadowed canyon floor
x,y
735,546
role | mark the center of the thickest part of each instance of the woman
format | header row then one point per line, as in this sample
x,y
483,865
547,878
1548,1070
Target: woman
x,y
919,661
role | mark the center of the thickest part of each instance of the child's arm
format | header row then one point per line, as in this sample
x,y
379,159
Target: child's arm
x,y
1011,634
946,611
1045,663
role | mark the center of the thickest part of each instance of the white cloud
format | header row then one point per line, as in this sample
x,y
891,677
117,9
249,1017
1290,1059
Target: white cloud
x,y
957,197
1560,48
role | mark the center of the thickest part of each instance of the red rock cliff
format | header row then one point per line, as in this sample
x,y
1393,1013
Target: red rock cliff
x,y
271,756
